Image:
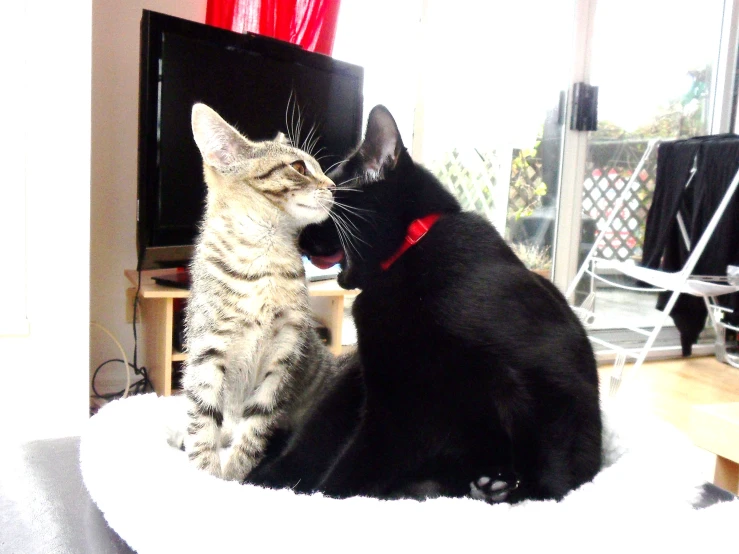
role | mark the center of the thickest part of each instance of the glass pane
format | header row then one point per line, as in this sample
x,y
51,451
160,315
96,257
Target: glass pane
x,y
489,123
654,65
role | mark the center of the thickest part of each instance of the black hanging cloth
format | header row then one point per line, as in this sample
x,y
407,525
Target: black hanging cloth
x,y
716,160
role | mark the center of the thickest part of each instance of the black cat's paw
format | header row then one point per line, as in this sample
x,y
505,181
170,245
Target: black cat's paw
x,y
494,489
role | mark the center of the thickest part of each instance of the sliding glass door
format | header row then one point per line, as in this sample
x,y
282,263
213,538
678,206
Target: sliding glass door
x,y
656,65
490,112
482,94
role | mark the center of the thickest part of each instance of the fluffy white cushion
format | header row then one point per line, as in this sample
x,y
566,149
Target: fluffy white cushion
x,y
158,502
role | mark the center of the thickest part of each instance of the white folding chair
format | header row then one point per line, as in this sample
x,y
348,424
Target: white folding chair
x,y
680,282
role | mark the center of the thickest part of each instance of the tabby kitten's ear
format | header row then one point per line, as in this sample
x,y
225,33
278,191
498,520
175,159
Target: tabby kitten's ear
x,y
282,138
220,144
382,143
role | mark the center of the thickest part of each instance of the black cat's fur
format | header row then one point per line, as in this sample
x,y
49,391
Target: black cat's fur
x,y
466,360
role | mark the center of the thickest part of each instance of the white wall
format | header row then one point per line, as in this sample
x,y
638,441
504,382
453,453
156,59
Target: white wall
x,y
389,77
44,372
115,78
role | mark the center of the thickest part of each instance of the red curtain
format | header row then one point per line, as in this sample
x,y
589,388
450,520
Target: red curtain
x,y
308,23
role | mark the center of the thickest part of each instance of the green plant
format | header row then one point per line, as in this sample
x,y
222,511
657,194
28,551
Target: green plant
x,y
527,187
533,257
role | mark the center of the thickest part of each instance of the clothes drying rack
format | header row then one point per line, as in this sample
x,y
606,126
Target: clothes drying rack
x,y
680,282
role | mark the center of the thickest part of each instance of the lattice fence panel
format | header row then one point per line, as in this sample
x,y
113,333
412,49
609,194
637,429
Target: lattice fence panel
x,y
472,187
608,170
607,173
524,194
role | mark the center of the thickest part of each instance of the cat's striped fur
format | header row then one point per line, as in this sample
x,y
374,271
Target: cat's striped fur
x,y
253,357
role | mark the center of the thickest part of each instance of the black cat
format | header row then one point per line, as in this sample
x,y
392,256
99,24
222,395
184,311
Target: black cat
x,y
466,360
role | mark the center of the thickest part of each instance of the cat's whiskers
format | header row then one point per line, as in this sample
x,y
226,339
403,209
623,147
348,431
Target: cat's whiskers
x,y
293,121
321,149
339,231
354,212
287,109
345,234
291,128
333,165
300,123
310,139
295,128
353,235
345,185
354,209
349,222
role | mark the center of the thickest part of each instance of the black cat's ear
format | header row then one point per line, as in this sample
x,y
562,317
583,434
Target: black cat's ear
x,y
382,143
220,144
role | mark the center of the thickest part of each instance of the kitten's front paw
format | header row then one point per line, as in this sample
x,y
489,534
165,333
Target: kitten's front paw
x,y
208,461
494,489
233,472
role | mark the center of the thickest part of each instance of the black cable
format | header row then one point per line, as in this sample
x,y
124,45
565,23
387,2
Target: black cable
x,y
110,395
135,313
142,385
139,387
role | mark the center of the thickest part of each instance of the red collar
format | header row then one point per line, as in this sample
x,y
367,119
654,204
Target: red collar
x,y
416,231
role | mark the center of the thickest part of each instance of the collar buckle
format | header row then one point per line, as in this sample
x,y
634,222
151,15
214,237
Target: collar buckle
x,y
416,231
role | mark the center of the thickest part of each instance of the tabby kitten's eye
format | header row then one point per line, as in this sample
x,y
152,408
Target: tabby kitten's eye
x,y
299,166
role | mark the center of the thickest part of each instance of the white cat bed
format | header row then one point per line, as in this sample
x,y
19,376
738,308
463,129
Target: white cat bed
x,y
157,502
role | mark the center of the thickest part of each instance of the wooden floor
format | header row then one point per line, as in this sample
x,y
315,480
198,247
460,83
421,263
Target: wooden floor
x,y
670,388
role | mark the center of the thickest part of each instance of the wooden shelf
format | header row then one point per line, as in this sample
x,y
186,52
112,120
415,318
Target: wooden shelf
x,y
715,427
157,317
149,289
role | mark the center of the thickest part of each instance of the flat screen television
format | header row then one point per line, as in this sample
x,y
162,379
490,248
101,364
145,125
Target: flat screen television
x,y
254,82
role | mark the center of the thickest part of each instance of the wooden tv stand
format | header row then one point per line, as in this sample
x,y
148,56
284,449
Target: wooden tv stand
x,y
156,308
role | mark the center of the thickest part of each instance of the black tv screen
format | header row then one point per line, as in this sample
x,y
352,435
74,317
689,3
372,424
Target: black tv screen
x,y
255,83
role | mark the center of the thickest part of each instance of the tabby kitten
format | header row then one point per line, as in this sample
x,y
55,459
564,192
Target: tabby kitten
x,y
253,357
